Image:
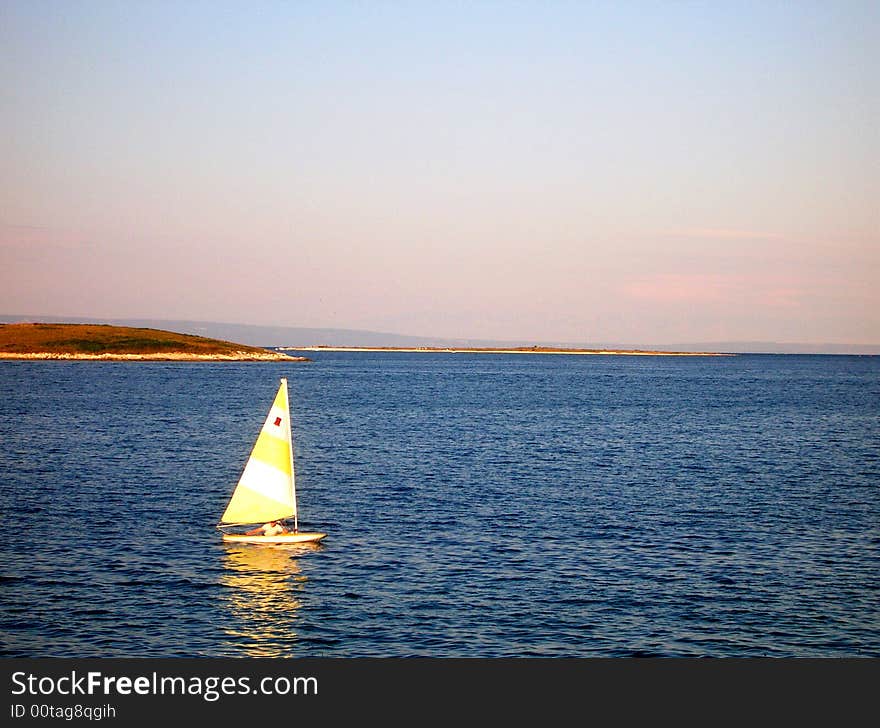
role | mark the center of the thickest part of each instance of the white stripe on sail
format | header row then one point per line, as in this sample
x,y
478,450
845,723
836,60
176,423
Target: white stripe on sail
x,y
267,481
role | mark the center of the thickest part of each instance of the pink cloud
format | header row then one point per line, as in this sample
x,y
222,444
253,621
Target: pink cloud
x,y
728,234
678,287
765,289
34,236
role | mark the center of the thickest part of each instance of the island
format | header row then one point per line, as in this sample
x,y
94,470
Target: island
x,y
122,343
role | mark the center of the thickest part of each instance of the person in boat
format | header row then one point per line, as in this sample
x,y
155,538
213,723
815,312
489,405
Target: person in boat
x,y
273,528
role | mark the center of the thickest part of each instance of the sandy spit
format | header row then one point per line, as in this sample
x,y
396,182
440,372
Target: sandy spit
x,y
426,350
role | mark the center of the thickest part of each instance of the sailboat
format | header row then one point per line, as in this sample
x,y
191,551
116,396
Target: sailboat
x,y
266,491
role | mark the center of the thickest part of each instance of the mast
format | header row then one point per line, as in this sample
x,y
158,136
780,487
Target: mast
x,y
292,472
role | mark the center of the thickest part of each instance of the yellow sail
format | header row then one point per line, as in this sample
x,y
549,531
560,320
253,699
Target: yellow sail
x,y
266,489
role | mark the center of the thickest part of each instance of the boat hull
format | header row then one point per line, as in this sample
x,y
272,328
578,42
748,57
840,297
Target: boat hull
x,y
281,538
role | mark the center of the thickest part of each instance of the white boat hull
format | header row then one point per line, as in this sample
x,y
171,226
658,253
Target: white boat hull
x,y
281,538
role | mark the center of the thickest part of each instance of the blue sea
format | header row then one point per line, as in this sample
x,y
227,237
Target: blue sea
x,y
476,505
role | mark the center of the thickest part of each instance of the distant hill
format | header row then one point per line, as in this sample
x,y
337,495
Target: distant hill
x,y
253,335
264,336
101,341
292,336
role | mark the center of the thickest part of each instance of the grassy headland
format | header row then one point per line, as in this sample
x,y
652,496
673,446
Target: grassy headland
x,y
97,341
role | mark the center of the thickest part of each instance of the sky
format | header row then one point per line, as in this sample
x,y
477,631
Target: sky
x,y
635,172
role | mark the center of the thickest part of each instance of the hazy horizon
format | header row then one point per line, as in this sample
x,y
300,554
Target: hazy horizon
x,y
549,172
291,336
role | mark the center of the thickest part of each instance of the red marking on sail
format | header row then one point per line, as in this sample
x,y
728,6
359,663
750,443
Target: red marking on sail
x,y
277,422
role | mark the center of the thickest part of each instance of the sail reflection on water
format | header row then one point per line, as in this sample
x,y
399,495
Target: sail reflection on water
x,y
262,584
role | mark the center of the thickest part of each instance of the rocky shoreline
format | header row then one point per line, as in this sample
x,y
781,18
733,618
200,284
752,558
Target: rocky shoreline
x,y
158,356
